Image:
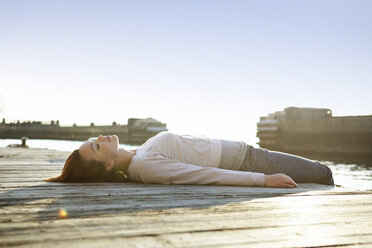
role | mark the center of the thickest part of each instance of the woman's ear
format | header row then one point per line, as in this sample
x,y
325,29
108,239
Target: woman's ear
x,y
109,165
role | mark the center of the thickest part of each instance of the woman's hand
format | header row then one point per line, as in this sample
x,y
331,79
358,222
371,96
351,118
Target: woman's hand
x,y
279,181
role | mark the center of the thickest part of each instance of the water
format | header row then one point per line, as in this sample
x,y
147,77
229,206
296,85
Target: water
x,y
61,145
348,175
351,175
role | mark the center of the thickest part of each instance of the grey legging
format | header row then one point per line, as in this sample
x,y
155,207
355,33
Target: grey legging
x,y
300,169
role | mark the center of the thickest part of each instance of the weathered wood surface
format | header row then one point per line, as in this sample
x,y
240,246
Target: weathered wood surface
x,y
137,215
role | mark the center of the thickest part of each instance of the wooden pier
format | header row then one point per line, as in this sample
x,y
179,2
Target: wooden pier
x,y
138,215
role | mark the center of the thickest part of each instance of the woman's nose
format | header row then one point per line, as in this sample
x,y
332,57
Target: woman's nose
x,y
100,138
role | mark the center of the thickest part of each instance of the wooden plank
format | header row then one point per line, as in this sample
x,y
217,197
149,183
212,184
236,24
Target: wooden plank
x,y
139,215
77,230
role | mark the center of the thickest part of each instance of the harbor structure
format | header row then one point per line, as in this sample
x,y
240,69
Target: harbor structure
x,y
137,131
315,133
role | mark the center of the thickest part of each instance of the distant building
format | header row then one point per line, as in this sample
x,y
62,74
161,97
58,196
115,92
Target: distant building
x,y
314,132
136,132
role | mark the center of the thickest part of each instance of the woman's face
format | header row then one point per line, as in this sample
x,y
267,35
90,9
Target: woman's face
x,y
102,149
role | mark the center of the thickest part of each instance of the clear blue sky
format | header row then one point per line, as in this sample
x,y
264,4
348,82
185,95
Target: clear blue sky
x,y
203,67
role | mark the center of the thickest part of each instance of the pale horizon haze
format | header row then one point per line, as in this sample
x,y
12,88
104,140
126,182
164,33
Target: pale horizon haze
x,y
203,67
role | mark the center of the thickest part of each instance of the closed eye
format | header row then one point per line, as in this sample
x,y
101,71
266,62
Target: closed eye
x,y
98,147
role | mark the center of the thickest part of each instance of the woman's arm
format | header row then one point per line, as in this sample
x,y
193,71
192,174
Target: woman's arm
x,y
159,169
279,181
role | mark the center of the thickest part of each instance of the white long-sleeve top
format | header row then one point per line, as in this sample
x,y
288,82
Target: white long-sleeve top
x,y
168,158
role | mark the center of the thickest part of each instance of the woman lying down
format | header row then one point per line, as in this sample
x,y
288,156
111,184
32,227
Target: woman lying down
x,y
169,158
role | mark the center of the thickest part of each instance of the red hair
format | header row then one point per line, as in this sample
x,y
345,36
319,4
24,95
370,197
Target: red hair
x,y
77,170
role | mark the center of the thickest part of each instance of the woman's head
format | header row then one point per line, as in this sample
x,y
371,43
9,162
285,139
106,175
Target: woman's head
x,y
103,149
92,162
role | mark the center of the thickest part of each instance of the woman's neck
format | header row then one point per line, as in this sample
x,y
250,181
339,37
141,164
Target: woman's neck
x,y
123,159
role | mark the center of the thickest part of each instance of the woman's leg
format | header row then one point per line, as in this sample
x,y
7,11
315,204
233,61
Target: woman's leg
x,y
300,169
